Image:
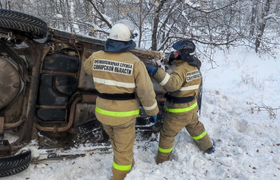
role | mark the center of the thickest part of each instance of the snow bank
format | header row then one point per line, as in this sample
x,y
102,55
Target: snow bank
x,y
246,134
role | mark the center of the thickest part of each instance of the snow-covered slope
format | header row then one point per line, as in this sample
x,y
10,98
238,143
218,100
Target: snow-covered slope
x,y
237,95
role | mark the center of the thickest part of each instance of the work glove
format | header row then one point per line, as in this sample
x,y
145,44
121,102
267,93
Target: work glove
x,y
151,70
154,119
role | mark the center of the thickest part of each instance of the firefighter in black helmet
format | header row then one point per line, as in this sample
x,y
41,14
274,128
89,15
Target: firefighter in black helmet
x,y
181,104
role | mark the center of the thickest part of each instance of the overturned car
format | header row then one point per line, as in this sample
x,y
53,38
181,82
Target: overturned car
x,y
46,96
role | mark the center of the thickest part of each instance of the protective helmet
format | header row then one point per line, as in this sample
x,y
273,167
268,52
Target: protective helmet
x,y
186,50
122,30
185,44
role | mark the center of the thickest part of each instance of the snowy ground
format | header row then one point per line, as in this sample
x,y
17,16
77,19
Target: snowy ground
x,y
247,136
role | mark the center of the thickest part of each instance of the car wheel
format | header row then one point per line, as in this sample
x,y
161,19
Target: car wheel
x,y
27,25
15,164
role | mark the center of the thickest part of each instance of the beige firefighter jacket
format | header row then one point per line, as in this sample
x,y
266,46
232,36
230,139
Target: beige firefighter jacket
x,y
183,81
118,73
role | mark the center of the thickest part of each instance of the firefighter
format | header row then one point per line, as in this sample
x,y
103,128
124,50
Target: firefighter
x,y
181,104
118,75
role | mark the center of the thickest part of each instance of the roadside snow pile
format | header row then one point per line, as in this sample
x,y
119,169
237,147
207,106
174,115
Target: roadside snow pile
x,y
235,111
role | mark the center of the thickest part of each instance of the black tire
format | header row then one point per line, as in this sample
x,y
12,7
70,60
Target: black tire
x,y
28,25
15,164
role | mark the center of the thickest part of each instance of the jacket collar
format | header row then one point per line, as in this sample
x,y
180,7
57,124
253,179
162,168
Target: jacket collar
x,y
118,46
178,62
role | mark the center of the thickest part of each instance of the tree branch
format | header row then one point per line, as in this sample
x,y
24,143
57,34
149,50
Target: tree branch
x,y
207,12
100,14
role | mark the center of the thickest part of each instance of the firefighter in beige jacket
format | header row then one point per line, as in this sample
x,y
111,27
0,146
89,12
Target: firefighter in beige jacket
x,y
117,75
181,105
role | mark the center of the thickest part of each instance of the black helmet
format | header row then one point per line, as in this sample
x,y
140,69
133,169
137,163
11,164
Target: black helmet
x,y
186,44
186,49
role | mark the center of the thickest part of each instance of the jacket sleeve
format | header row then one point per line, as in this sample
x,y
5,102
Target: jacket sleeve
x,y
145,89
88,65
171,82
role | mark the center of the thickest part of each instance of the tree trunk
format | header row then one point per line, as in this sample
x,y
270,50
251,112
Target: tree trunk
x,y
253,18
261,28
140,24
156,22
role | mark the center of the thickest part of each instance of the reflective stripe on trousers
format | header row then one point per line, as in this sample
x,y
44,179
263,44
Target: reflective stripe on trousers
x,y
117,114
121,167
200,136
165,150
180,110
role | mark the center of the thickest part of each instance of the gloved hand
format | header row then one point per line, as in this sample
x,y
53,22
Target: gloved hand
x,y
151,70
154,118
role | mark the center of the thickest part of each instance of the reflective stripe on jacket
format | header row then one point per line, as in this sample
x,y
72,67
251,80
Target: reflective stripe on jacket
x,y
118,73
183,81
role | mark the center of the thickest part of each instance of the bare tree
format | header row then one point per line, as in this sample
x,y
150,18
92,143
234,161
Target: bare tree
x,y
156,22
101,16
262,23
253,18
160,23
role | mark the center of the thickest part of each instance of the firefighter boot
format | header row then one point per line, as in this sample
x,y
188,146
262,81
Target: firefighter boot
x,y
211,149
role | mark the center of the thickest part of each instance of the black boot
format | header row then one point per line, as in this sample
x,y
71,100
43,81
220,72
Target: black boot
x,y
211,149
